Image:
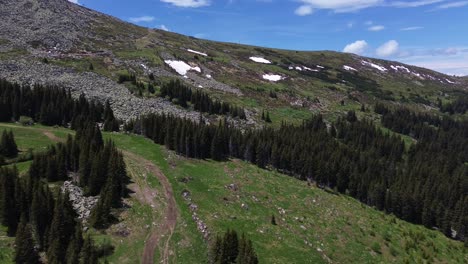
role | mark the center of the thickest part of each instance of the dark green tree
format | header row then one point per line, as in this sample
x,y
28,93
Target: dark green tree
x,y
25,251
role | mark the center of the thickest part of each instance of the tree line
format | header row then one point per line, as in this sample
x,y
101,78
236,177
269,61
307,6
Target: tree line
x,y
42,223
350,155
230,249
459,106
201,101
50,105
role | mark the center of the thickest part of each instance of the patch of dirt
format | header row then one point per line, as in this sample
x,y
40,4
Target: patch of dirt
x,y
167,227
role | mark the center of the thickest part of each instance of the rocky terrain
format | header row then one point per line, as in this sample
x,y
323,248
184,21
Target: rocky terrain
x,y
54,41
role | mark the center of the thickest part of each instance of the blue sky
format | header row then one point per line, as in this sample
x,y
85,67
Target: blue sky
x,y
428,33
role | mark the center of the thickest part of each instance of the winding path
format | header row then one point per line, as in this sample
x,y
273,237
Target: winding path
x,y
166,228
169,219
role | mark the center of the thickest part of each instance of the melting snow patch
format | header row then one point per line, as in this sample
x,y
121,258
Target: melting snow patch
x,y
298,68
397,68
378,67
197,52
449,81
260,60
348,68
272,77
417,75
181,67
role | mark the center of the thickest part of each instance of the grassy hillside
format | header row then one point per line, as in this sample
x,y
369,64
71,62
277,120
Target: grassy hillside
x,y
312,225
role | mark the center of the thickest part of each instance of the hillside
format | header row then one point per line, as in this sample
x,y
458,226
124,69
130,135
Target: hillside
x,y
56,41
137,145
312,225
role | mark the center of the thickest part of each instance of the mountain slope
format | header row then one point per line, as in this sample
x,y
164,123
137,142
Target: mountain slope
x,y
72,37
312,225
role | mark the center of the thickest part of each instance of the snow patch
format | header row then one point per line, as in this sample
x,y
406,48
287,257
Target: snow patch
x,y
181,67
397,68
321,67
260,60
298,68
378,67
144,66
273,77
348,68
417,75
449,81
208,76
197,52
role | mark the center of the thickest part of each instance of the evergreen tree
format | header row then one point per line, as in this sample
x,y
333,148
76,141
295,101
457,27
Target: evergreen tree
x,y
25,251
9,213
88,253
75,246
8,146
62,230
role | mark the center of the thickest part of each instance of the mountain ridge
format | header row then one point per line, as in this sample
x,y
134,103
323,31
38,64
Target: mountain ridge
x,y
70,37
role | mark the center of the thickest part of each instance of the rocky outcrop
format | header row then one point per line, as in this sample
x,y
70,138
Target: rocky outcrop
x,y
125,105
82,204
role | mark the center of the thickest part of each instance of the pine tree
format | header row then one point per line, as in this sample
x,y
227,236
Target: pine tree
x,y
8,147
8,210
88,253
100,216
267,117
75,246
25,251
217,251
61,231
273,220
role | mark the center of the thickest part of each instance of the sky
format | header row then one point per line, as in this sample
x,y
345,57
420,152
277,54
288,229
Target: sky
x,y
427,33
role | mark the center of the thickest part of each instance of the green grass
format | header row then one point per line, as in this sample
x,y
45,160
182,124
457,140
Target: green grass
x,y
6,246
316,227
345,230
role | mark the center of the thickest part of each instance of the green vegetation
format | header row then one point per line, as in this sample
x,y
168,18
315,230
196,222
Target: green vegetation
x,y
311,224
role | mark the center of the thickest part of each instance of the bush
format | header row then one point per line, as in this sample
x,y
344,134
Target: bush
x,y
26,121
376,248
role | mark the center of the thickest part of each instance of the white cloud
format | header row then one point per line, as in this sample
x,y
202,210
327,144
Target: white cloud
x,y
411,28
452,5
188,3
341,5
74,1
376,28
163,27
415,3
449,60
304,10
388,49
141,19
357,47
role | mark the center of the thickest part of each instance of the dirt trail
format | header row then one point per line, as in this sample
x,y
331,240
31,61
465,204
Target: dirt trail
x,y
166,228
169,219
52,137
